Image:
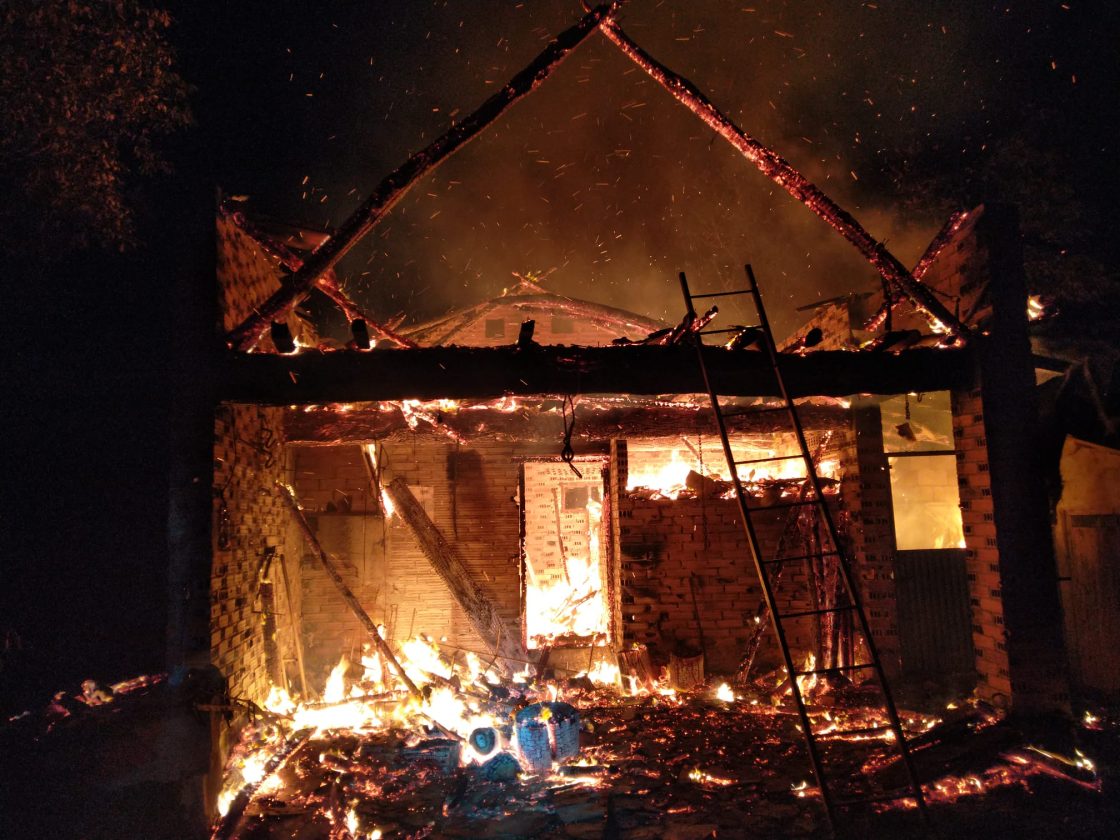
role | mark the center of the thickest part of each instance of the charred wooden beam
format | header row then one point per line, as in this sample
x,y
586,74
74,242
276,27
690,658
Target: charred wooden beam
x,y
538,420
781,172
428,373
246,335
479,609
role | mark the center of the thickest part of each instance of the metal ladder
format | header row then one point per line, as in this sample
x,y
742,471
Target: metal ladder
x,y
826,784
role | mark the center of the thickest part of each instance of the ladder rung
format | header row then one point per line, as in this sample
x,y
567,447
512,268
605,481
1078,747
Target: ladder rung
x,y
746,291
868,800
865,730
798,557
766,460
837,669
784,505
717,332
825,611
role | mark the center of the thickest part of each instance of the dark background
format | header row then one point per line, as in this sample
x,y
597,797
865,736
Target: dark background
x,y
900,111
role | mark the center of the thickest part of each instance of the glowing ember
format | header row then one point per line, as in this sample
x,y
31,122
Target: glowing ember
x,y
701,778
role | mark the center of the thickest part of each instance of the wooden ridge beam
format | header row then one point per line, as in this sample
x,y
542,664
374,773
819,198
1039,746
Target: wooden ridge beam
x,y
428,373
782,173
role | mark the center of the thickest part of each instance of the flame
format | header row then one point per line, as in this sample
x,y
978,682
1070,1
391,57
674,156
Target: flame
x,y
668,480
449,710
725,693
386,502
422,660
808,683
604,673
336,682
373,671
576,606
1035,308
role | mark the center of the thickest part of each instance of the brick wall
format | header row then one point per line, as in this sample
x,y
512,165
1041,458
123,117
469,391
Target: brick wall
x,y
248,518
835,322
247,277
671,549
249,457
989,638
866,518
960,274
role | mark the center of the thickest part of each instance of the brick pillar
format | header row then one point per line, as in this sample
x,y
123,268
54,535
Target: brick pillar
x,y
865,493
982,556
1017,619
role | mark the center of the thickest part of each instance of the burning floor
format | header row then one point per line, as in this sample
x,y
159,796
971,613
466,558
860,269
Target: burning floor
x,y
474,756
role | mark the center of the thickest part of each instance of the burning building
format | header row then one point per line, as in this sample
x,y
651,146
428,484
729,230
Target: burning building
x,y
408,527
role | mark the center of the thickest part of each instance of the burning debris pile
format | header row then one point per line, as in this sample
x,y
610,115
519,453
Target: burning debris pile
x,y
475,756
471,755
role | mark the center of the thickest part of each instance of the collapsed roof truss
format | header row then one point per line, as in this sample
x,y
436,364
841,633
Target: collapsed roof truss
x,y
317,269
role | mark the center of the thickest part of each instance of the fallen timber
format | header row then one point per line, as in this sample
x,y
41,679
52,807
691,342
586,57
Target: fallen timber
x,y
314,377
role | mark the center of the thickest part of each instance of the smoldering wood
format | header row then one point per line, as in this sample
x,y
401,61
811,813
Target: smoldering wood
x,y
921,268
328,284
344,590
392,188
230,825
538,420
781,172
428,373
479,609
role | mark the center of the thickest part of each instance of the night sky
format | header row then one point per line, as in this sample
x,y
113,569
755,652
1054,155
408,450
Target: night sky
x,y
599,176
599,179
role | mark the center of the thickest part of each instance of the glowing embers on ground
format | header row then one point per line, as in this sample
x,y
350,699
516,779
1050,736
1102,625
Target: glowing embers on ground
x,y
456,701
663,762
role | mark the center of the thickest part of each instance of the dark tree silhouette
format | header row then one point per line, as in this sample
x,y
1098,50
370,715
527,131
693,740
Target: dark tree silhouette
x,y
87,87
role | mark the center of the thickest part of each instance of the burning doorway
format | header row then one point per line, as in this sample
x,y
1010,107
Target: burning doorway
x,y
564,555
